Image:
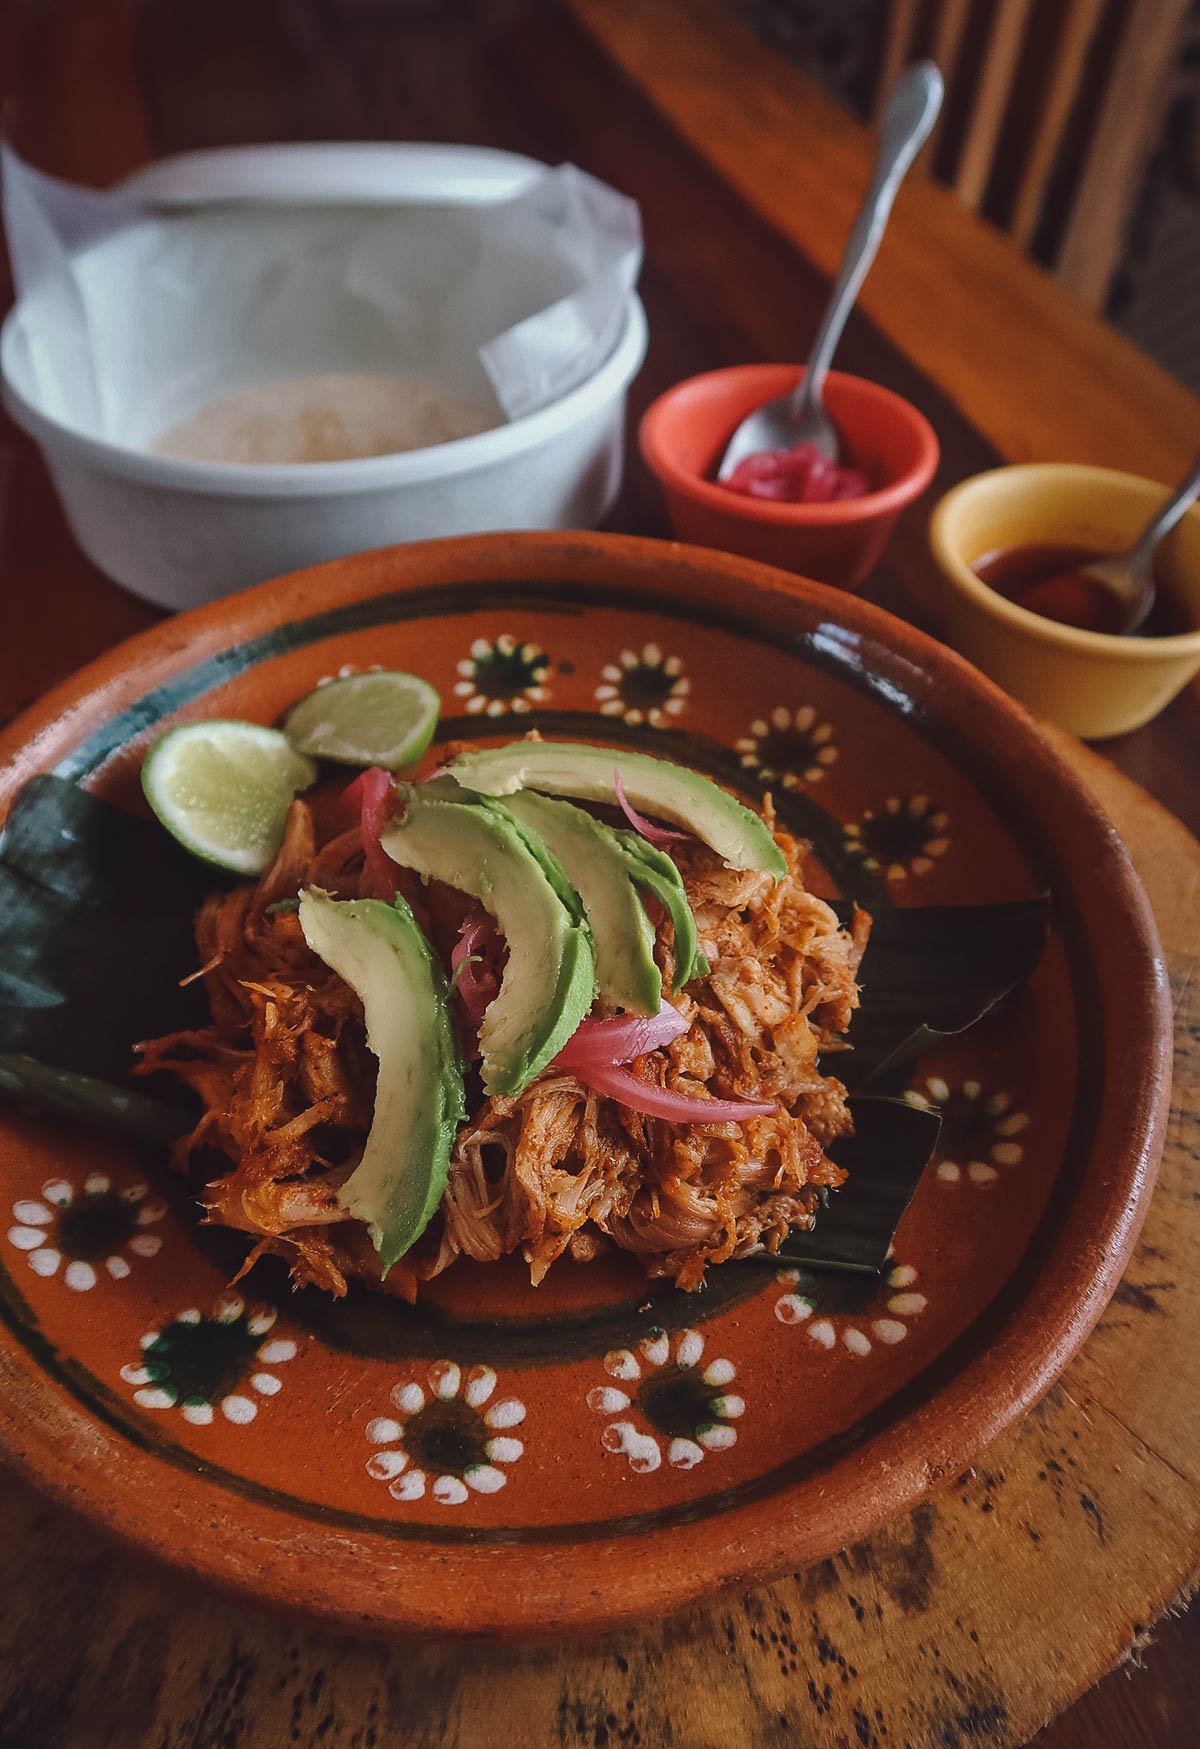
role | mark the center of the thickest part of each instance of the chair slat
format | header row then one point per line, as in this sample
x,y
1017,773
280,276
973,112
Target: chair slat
x,y
899,32
1001,53
949,31
1079,29
1126,128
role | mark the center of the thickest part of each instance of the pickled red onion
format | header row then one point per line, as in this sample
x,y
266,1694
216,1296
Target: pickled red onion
x,y
656,835
800,475
622,1085
599,1049
619,1040
368,797
473,981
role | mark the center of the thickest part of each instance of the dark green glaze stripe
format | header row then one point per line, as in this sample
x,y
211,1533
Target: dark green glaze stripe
x,y
829,648
375,1326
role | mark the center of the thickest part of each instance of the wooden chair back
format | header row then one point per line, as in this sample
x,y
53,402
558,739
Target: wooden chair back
x,y
1052,108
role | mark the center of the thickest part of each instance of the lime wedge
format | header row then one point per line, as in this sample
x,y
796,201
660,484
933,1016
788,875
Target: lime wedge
x,y
382,718
223,788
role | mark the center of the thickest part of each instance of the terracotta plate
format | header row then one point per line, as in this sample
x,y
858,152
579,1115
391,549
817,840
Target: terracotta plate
x,y
506,1460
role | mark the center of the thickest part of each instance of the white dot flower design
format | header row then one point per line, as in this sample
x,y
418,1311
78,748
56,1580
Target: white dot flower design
x,y
905,837
503,676
788,746
643,686
86,1232
979,1129
208,1363
661,1401
803,1304
348,669
447,1438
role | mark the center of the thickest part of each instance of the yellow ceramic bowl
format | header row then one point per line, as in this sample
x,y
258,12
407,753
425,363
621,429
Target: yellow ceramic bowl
x,y
1091,683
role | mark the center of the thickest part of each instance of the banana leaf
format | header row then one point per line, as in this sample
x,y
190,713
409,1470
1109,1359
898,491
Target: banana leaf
x,y
931,972
87,1099
96,910
885,1157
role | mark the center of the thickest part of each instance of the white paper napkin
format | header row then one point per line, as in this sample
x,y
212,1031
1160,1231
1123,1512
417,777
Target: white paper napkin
x,y
134,318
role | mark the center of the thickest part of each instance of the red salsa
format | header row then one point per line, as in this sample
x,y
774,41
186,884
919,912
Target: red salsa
x,y
1051,581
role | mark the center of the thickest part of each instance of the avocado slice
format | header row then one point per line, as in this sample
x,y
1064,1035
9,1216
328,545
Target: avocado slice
x,y
607,869
595,862
654,871
670,791
381,953
477,847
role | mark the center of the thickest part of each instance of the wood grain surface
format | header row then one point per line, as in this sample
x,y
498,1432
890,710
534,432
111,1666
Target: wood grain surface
x,y
999,1601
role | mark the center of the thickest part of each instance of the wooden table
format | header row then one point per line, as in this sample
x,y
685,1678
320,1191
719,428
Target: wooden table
x,y
747,177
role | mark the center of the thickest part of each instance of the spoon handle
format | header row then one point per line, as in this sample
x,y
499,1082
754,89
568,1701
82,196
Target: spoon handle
x,y
1168,516
911,111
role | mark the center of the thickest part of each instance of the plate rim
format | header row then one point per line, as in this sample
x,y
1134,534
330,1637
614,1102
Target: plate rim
x,y
503,1592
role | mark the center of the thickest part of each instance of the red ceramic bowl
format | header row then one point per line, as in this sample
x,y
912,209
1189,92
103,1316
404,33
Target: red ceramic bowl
x,y
684,432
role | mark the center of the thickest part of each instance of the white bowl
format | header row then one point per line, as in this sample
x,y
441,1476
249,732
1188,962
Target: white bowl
x,y
182,532
178,532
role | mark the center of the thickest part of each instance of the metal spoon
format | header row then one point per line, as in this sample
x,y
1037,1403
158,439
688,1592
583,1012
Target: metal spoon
x,y
801,417
1130,575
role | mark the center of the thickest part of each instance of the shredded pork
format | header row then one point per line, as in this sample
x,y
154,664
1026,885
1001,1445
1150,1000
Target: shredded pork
x,y
287,1084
